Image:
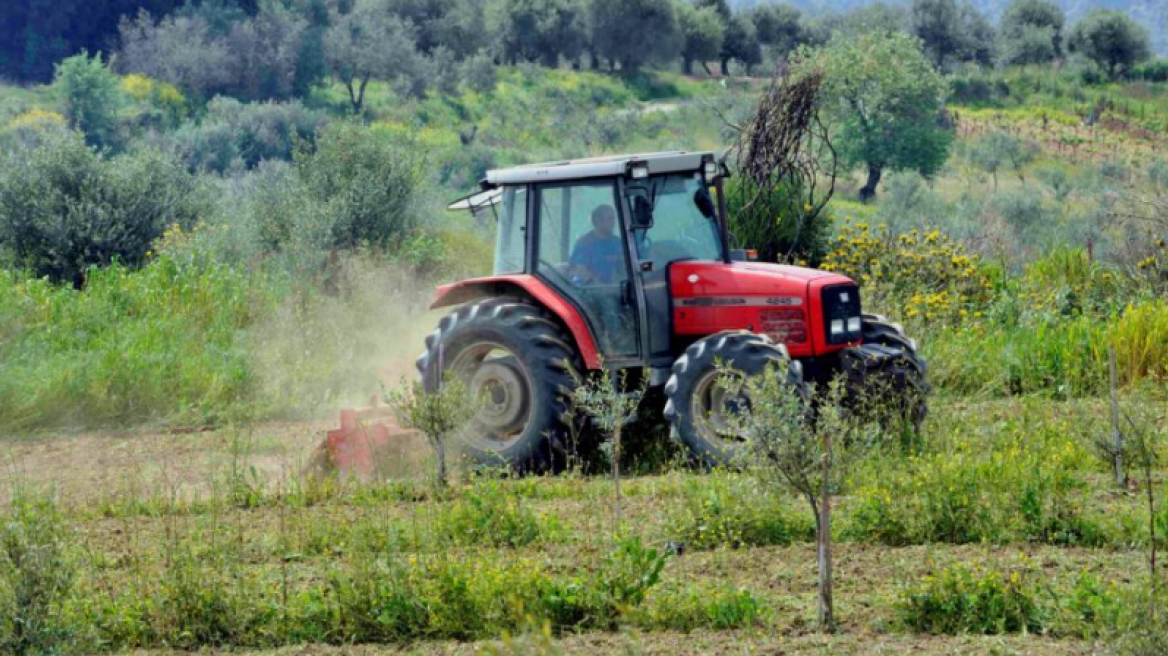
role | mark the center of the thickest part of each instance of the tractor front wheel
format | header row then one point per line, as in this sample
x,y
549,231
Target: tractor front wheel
x,y
887,379
516,361
698,405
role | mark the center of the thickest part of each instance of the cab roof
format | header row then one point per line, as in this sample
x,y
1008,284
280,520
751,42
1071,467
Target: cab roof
x,y
597,167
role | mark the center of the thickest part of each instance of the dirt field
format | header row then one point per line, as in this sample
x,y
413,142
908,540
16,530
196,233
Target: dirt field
x,y
95,474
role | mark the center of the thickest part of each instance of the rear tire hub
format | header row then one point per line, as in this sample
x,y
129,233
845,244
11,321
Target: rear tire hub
x,y
505,396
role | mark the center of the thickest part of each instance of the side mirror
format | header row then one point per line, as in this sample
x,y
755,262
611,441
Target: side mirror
x,y
642,213
704,202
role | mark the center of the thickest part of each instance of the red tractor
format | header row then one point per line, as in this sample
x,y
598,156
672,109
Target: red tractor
x,y
624,263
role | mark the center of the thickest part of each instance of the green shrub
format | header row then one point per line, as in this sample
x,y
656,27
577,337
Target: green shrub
x,y
690,608
241,135
1051,354
64,207
959,600
1025,488
489,513
365,183
37,572
1090,608
777,224
90,95
726,510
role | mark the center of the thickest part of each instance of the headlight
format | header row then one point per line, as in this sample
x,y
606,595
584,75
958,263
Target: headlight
x,y
837,326
854,325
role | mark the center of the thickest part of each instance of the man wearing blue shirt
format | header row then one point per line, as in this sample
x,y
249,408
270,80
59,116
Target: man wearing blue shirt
x,y
597,257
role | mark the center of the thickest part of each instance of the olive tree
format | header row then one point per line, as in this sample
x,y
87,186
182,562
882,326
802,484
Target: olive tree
x,y
634,33
437,414
704,33
790,449
952,32
1111,39
779,27
741,44
1031,32
180,49
885,102
65,207
369,42
539,30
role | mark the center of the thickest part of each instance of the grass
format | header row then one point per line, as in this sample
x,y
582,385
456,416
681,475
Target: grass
x,y
296,560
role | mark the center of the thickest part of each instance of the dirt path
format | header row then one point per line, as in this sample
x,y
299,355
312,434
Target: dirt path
x,y
82,468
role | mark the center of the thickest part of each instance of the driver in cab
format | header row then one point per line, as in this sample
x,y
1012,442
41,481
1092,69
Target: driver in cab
x,y
597,255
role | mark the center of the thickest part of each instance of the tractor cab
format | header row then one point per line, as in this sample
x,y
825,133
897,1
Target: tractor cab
x,y
602,233
624,263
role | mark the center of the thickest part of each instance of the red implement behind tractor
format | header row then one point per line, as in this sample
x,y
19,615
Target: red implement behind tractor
x,y
624,262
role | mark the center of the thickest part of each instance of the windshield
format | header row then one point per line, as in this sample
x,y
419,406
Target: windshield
x,y
680,230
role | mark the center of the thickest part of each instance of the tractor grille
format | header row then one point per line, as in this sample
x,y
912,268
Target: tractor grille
x,y
841,314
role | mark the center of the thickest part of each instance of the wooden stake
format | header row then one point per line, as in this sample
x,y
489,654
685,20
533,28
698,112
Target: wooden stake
x,y
826,606
1116,435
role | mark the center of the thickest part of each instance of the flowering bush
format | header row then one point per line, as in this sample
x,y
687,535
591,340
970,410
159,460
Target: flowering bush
x,y
924,275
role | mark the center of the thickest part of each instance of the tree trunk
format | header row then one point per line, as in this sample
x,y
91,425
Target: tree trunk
x,y
826,605
440,455
706,65
725,67
616,454
868,191
360,103
687,65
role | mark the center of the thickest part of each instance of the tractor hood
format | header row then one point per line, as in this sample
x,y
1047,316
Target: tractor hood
x,y
781,301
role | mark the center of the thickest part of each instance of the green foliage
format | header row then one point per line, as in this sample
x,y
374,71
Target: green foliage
x,y
490,513
369,42
545,31
690,608
233,135
998,150
65,207
1031,32
726,510
1111,39
981,493
159,344
90,97
704,33
214,48
436,413
38,569
779,225
952,32
885,100
779,26
741,44
365,184
634,33
962,600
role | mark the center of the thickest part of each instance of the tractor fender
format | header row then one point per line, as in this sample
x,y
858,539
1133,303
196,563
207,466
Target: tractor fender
x,y
525,285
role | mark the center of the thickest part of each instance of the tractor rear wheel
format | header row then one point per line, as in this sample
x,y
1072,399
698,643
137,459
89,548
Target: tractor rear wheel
x,y
517,360
896,390
698,406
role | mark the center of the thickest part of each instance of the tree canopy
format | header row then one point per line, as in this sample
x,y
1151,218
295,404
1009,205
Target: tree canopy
x,y
633,33
1031,32
1111,39
886,102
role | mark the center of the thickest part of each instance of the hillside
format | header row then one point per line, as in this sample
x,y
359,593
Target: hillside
x,y
1152,14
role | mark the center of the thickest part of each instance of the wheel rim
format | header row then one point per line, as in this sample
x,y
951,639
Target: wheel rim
x,y
713,406
498,379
